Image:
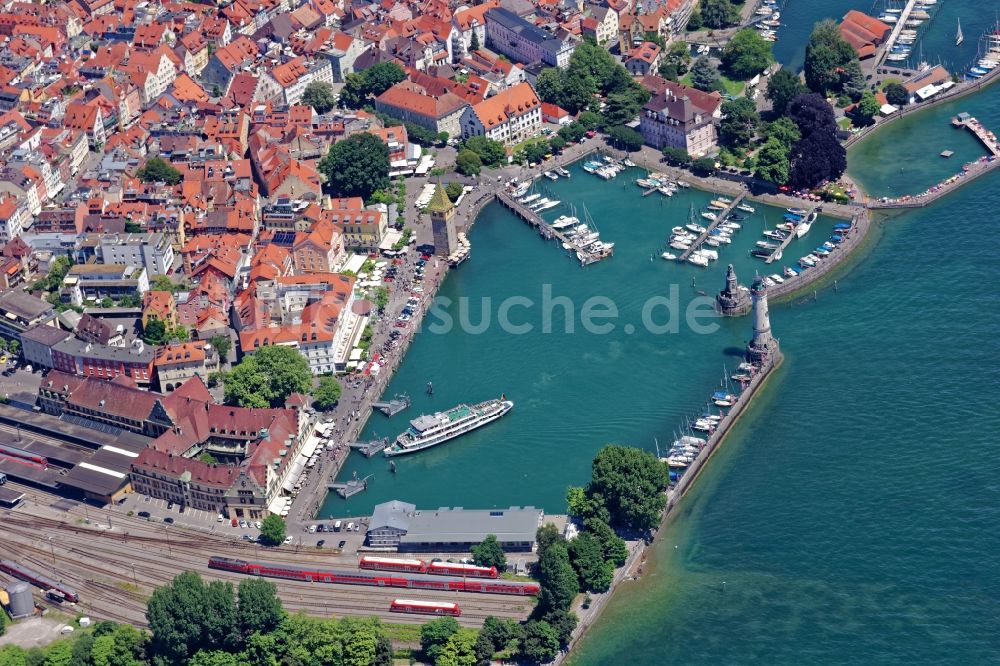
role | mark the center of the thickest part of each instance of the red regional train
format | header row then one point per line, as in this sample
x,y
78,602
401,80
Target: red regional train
x,y
414,581
419,566
54,588
425,607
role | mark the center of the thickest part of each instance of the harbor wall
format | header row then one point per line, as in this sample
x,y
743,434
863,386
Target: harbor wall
x,y
955,93
674,497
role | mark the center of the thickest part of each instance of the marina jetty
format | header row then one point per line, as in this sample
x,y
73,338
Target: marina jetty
x,y
719,219
969,171
547,231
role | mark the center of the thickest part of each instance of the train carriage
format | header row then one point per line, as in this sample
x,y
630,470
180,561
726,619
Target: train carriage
x,y
460,569
375,578
54,588
392,564
425,607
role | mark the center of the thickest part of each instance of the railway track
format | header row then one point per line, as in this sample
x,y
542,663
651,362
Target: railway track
x,y
95,560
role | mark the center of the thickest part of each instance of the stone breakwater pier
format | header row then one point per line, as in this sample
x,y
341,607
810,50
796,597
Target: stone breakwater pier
x,y
764,353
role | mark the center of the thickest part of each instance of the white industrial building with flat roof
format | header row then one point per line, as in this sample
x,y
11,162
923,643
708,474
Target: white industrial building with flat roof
x,y
402,526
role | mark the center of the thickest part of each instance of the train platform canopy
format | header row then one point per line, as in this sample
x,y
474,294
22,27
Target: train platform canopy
x,y
51,452
9,497
29,473
95,480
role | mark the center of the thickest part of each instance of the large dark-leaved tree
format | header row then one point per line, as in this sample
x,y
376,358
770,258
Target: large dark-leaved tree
x,y
739,122
705,75
372,82
158,170
188,615
356,166
817,156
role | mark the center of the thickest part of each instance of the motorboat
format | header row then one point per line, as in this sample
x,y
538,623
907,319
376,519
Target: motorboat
x,y
698,260
562,172
677,231
722,238
708,254
666,190
564,221
683,183
746,208
695,228
680,245
528,199
627,162
797,211
803,227
709,216
712,242
728,224
776,235
669,256
767,246
552,203
551,175
760,253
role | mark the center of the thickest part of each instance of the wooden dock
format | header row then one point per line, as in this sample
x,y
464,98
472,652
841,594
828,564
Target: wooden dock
x,y
777,254
544,228
719,219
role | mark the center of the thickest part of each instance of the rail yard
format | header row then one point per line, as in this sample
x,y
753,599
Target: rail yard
x,y
115,564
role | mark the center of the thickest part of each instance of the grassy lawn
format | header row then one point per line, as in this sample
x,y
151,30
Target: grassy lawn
x,y
402,633
528,142
844,123
730,86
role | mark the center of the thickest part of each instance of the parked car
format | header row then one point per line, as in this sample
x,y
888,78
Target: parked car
x,y
143,514
319,544
168,520
341,544
288,540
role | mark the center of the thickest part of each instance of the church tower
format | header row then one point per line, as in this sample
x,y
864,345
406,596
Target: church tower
x,y
442,212
763,343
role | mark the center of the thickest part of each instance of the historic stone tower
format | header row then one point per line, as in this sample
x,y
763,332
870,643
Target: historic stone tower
x,y
763,343
734,300
442,212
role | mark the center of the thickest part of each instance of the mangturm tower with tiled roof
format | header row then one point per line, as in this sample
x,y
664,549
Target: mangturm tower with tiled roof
x,y
763,344
442,212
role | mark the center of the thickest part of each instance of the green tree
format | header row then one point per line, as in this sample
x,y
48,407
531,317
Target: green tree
x,y
491,152
739,122
782,88
772,162
695,22
454,190
459,650
676,156
327,393
784,130
474,42
625,138
489,553
557,144
372,82
613,546
719,13
896,94
163,283
827,55
434,635
705,76
557,578
468,163
867,109
12,655
154,332
107,302
632,483
587,558
187,615
258,608
214,658
268,377
319,95
573,132
272,530
499,633
383,651
747,54
547,535
59,653
158,170
221,344
541,642
535,152
260,650
356,166
563,622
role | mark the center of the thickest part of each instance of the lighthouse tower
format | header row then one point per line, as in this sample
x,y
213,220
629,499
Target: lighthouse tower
x,y
763,343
